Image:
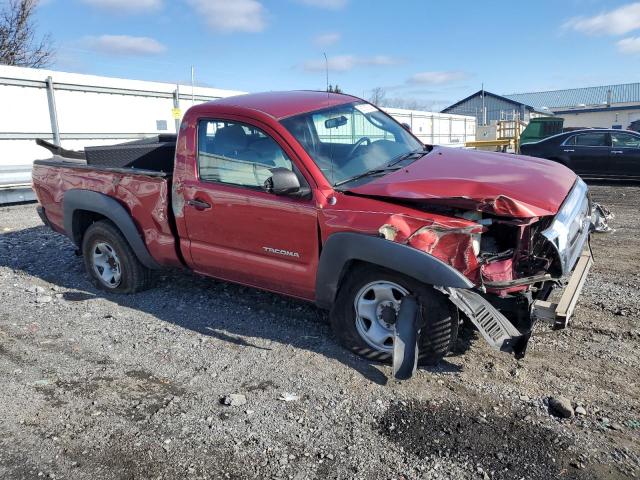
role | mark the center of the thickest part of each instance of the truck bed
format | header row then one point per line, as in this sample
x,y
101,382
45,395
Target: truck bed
x,y
144,193
150,154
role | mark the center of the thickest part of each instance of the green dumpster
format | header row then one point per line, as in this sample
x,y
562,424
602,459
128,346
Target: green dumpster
x,y
541,127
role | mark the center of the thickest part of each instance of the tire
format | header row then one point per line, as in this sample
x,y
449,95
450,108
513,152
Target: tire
x,y
110,261
437,337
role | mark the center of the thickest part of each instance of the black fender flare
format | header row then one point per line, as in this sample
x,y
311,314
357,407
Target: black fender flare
x,y
109,207
343,247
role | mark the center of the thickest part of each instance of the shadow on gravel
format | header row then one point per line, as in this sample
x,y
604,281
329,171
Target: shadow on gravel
x,y
504,447
221,310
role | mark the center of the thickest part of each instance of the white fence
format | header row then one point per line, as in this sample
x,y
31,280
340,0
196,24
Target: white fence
x,y
77,110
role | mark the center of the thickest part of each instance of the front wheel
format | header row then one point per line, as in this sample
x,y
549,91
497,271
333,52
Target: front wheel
x,y
366,307
111,262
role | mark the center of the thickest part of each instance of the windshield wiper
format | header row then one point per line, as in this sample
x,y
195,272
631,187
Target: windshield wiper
x,y
387,168
368,173
413,153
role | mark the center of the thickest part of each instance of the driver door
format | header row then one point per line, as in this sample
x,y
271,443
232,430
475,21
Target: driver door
x,y
237,230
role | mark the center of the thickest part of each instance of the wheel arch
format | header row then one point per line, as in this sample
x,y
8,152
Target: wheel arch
x,y
343,250
81,208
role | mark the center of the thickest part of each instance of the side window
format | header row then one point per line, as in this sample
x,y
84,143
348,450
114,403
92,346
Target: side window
x,y
591,140
237,154
570,141
625,140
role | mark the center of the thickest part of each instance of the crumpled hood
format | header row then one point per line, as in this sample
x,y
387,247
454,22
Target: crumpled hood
x,y
498,183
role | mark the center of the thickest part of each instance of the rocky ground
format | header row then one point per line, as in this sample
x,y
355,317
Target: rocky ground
x,y
99,386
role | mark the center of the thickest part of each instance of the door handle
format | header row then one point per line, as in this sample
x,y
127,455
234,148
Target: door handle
x,y
198,204
568,150
617,151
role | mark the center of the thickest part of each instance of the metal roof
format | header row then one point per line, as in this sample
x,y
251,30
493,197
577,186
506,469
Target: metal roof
x,y
553,99
488,94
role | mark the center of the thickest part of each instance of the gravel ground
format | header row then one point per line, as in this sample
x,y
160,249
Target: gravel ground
x,y
100,386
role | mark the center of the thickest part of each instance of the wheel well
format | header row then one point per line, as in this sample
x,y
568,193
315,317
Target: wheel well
x,y
82,220
353,265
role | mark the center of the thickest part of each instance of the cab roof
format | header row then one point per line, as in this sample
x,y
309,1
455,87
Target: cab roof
x,y
284,104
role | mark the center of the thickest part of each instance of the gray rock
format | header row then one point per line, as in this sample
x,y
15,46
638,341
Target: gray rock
x,y
234,400
44,299
560,407
580,410
289,397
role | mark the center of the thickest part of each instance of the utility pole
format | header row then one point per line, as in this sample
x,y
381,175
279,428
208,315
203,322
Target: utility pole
x,y
177,114
193,76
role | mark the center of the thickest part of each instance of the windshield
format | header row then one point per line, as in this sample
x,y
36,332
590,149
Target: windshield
x,y
349,140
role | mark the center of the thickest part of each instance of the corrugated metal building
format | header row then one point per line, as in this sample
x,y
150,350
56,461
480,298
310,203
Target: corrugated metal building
x,y
488,108
606,95
607,106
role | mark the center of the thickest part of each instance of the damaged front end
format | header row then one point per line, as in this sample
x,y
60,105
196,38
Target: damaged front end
x,y
514,263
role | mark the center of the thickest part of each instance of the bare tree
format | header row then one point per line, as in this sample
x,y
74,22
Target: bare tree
x,y
18,43
378,96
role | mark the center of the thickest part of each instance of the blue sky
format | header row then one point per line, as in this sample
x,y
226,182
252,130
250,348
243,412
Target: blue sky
x,y
423,51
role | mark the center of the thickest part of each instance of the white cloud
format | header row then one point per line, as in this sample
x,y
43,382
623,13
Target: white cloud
x,y
326,39
126,6
629,45
344,63
228,16
125,45
437,78
329,4
616,22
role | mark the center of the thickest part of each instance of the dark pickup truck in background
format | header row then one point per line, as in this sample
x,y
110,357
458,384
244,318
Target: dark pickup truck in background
x,y
326,198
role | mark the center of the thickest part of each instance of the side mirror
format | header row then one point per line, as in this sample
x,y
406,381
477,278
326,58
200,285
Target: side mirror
x,y
406,126
282,182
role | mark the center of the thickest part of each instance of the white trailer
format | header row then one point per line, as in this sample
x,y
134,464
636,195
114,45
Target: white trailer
x,y
434,128
75,111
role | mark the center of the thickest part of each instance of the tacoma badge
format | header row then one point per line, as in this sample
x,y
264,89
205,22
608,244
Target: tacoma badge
x,y
279,251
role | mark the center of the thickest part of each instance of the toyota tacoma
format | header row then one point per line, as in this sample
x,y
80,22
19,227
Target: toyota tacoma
x,y
326,198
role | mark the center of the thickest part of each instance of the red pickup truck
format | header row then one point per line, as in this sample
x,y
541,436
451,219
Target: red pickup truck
x,y
326,198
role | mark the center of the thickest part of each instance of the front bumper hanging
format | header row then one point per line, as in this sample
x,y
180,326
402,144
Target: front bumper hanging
x,y
560,313
494,327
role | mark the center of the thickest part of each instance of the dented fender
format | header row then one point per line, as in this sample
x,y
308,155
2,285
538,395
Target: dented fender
x,y
453,242
344,247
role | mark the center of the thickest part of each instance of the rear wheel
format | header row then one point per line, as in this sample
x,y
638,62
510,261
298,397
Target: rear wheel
x,y
111,262
366,307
